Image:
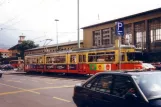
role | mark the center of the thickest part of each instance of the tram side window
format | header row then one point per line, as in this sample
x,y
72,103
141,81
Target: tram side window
x,y
34,60
73,59
28,61
100,57
105,57
52,59
110,56
82,58
91,57
123,56
40,60
59,59
48,60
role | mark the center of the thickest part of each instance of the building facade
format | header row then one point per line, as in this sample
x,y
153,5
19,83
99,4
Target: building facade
x,y
5,53
142,30
14,51
53,48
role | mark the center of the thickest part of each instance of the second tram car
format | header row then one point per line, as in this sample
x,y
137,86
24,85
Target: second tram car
x,y
84,61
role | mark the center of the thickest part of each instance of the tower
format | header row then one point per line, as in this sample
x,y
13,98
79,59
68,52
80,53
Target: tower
x,y
22,38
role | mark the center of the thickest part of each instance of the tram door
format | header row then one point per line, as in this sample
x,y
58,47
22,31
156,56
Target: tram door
x,y
81,63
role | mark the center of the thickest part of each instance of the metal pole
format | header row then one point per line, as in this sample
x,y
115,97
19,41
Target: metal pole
x,y
56,33
120,54
78,25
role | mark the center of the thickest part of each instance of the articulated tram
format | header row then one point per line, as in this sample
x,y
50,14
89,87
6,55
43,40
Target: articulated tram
x,y
84,61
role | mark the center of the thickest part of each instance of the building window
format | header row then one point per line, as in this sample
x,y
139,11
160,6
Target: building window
x,y
155,32
106,36
127,39
97,38
140,35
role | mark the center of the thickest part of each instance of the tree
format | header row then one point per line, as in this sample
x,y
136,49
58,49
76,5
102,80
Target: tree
x,y
28,44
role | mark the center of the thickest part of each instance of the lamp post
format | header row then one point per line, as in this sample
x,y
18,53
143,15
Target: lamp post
x,y
78,24
56,20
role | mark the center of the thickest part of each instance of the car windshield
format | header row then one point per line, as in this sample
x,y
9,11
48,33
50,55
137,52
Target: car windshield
x,y
150,84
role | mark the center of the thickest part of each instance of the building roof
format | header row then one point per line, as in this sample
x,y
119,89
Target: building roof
x,y
60,44
123,18
4,50
13,47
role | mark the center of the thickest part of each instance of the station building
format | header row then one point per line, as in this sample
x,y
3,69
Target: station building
x,y
142,30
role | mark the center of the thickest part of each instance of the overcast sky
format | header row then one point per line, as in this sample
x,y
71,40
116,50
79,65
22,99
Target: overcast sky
x,y
35,18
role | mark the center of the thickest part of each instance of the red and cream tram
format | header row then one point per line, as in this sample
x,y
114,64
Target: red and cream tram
x,y
84,61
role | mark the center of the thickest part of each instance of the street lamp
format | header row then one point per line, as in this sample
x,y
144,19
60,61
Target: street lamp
x,y
56,20
78,23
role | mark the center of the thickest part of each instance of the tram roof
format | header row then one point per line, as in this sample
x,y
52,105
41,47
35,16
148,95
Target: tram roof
x,y
93,49
105,48
86,50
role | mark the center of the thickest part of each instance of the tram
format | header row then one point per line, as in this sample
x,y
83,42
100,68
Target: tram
x,y
85,61
16,63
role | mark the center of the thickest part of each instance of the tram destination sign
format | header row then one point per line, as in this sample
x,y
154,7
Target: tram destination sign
x,y
119,28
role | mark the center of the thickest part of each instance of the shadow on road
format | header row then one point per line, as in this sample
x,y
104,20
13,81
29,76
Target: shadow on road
x,y
52,75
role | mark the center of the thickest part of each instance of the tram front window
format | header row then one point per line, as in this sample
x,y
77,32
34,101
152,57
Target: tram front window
x,y
132,56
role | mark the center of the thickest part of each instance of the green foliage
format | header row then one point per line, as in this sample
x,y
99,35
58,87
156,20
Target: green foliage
x,y
28,44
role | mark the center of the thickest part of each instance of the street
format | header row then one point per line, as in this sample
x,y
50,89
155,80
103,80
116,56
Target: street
x,y
37,90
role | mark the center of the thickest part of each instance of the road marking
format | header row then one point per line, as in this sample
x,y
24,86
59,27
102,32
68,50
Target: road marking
x,y
13,92
23,79
31,90
13,78
13,81
20,88
34,80
49,83
62,99
52,80
65,86
43,79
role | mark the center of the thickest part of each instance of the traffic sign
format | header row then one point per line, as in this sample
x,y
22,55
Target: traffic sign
x,y
119,29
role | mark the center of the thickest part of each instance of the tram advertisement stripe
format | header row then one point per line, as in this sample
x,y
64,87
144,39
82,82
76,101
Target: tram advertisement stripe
x,y
100,67
92,66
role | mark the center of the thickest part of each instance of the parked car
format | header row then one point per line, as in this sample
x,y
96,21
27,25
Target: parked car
x,y
157,65
120,89
6,67
148,66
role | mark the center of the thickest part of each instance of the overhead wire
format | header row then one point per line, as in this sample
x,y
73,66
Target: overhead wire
x,y
16,17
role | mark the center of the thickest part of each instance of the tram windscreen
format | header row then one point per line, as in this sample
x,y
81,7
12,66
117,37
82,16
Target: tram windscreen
x,y
132,56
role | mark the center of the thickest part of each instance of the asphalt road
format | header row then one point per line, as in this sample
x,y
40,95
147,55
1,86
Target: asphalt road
x,y
37,90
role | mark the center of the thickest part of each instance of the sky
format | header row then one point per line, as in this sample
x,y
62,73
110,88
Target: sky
x,y
35,19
